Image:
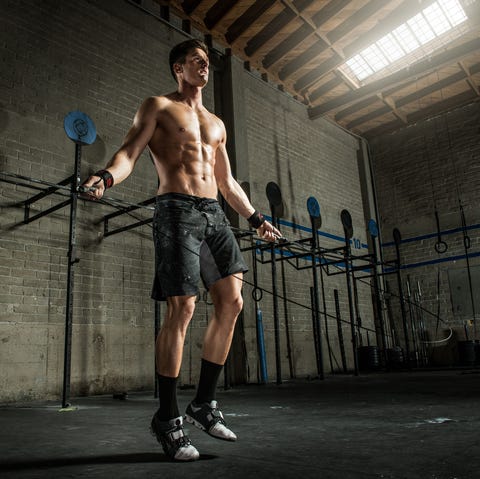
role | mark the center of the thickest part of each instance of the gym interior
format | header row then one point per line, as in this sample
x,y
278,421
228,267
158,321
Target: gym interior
x,y
354,127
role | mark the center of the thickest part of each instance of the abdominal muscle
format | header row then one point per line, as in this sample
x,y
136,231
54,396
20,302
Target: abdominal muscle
x,y
185,168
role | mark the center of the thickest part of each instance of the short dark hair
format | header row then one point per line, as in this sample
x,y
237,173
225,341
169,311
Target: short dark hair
x,y
180,51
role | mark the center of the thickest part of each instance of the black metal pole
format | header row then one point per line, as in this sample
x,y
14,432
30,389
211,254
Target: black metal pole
x,y
325,316
340,330
72,260
391,323
287,326
412,323
358,322
276,319
314,308
423,331
255,302
347,256
466,246
378,302
318,327
402,298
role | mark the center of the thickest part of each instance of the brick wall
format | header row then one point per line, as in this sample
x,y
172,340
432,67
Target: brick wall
x,y
305,159
57,57
433,166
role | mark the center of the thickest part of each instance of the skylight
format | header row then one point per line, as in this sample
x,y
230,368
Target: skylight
x,y
430,24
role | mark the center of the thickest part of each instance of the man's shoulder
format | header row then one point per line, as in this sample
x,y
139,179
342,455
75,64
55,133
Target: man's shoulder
x,y
159,101
155,105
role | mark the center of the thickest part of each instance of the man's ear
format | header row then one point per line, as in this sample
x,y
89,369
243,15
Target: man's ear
x,y
178,68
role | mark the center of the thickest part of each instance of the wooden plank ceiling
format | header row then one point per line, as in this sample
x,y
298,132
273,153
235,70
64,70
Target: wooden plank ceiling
x,y
300,45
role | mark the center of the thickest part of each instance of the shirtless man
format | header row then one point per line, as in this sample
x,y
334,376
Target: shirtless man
x,y
192,238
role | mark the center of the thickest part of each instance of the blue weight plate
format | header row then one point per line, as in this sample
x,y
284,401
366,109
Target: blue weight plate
x,y
80,128
313,207
373,228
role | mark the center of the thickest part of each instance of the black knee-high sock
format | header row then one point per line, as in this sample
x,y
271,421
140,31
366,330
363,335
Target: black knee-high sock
x,y
167,394
209,374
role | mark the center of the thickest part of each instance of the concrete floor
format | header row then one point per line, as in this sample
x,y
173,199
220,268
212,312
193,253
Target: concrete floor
x,y
421,425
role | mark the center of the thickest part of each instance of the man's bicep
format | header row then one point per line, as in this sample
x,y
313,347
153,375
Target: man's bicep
x,y
223,172
142,130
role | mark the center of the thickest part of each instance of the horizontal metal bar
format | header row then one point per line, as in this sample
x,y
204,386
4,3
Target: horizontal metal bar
x,y
126,209
48,191
29,219
34,180
126,228
17,183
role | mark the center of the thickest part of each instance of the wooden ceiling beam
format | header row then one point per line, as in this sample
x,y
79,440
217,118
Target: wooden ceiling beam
x,y
461,99
297,5
245,21
404,100
389,107
309,28
329,11
423,92
422,66
383,129
302,33
396,17
217,12
353,21
316,49
297,37
269,31
317,73
368,117
352,109
189,6
390,102
448,104
300,5
325,88
469,78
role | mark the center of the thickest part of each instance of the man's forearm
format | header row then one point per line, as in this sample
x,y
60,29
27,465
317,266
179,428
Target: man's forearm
x,y
237,199
120,166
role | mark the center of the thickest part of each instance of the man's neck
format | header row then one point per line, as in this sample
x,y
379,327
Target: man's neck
x,y
190,95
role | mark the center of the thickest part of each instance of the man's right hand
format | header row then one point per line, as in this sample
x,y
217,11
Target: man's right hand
x,y
92,188
268,232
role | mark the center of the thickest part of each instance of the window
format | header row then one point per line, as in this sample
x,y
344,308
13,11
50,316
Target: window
x,y
421,35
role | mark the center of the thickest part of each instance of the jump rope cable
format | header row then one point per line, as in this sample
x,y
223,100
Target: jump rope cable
x,y
285,243
124,206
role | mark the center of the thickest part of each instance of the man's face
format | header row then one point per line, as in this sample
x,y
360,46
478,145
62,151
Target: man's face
x,y
195,69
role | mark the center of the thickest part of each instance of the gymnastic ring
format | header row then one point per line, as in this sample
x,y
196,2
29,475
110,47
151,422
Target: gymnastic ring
x,y
257,294
441,247
467,242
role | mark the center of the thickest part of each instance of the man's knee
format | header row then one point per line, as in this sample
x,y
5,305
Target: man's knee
x,y
232,304
237,304
181,309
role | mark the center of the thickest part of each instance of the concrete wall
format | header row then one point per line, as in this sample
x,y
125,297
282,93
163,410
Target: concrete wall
x,y
433,166
103,58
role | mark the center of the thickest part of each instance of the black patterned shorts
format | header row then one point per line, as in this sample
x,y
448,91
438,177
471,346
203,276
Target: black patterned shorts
x,y
193,241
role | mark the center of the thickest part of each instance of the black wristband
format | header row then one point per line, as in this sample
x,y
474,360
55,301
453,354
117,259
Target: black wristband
x,y
256,220
107,178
